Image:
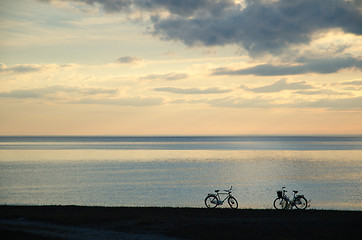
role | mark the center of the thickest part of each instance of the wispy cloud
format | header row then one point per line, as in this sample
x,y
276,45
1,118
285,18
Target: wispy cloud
x,y
232,102
334,104
279,86
129,60
51,91
81,95
167,76
192,90
34,68
339,104
130,101
321,66
355,83
322,92
21,68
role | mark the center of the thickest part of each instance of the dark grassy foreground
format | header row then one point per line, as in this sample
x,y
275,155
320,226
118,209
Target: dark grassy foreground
x,y
194,223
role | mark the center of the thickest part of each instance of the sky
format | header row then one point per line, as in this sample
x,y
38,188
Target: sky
x,y
180,67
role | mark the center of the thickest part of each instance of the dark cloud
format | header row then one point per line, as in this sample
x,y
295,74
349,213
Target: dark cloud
x,y
264,26
259,26
178,7
186,8
168,76
321,66
110,6
192,90
280,86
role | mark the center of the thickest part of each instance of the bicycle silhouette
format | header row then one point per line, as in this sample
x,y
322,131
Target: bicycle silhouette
x,y
284,202
213,200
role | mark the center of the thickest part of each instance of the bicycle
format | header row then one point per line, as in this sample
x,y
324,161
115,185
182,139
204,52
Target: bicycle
x,y
284,202
214,199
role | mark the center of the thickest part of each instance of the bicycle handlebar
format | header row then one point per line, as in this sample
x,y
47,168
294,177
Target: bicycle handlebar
x,y
229,190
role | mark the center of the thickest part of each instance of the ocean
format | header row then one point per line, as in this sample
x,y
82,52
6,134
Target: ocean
x,y
179,171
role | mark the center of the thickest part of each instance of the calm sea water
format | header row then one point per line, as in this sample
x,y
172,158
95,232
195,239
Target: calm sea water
x,y
180,171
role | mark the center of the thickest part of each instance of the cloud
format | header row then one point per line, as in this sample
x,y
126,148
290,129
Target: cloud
x,y
321,92
356,83
33,68
352,85
168,76
129,60
259,26
21,68
184,8
231,102
336,104
52,91
263,26
280,86
79,95
321,66
131,101
192,90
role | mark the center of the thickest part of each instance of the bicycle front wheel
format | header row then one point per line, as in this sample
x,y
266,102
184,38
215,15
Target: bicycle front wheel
x,y
233,203
301,203
211,201
280,203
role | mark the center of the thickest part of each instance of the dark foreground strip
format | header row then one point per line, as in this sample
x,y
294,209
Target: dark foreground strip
x,y
190,223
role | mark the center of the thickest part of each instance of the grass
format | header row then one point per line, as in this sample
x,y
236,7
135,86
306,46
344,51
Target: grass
x,y
200,223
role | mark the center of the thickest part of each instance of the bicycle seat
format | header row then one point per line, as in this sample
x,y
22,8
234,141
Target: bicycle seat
x,y
295,191
217,191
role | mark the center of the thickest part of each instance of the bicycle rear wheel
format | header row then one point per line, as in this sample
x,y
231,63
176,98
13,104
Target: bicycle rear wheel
x,y
233,203
280,203
211,201
301,203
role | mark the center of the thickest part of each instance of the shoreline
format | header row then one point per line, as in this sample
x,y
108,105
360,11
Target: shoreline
x,y
167,223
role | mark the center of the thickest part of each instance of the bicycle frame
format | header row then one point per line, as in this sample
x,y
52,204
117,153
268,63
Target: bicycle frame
x,y
217,195
218,198
291,202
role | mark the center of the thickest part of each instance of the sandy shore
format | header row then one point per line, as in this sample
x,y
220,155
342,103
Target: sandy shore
x,y
77,222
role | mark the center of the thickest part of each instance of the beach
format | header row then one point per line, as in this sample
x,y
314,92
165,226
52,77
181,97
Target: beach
x,y
81,222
